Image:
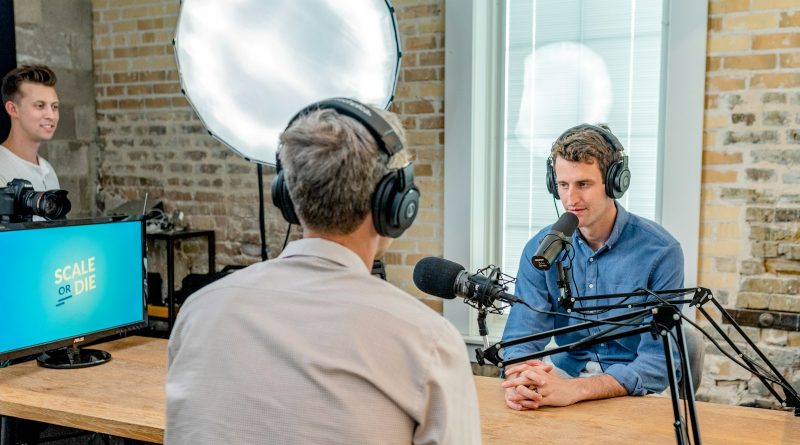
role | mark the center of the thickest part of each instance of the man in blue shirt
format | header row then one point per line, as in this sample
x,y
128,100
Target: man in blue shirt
x,y
613,251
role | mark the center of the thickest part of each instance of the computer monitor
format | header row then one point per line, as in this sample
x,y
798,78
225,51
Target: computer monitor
x,y
67,283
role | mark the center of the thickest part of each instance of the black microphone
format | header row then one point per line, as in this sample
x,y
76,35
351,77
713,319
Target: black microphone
x,y
553,243
446,279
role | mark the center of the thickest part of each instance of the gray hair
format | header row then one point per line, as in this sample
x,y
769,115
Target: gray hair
x,y
331,166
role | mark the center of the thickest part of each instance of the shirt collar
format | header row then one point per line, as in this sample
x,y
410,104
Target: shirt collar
x,y
322,248
619,225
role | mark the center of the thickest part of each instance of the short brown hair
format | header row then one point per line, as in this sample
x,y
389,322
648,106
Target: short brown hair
x,y
40,74
586,145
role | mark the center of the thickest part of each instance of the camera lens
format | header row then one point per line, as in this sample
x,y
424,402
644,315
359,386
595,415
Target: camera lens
x,y
51,204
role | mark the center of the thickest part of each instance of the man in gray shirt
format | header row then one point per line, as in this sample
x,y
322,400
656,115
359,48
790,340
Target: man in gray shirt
x,y
309,347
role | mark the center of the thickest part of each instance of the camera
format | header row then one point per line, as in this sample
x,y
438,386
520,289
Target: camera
x,y
20,203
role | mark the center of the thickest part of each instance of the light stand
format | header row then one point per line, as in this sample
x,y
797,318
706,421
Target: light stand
x,y
665,316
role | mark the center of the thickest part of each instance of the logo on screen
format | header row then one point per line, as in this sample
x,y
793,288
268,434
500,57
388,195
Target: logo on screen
x,y
75,279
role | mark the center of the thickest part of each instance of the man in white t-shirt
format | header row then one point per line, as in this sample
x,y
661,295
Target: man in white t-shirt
x,y
30,99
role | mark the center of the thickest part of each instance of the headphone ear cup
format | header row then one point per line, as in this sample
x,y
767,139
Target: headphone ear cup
x,y
618,178
552,186
282,200
381,204
394,209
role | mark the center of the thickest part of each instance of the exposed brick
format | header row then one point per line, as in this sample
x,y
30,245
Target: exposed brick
x,y
775,118
722,158
421,74
719,43
776,41
770,98
711,101
426,11
746,118
783,267
791,177
420,43
724,83
759,214
776,80
723,6
431,58
752,300
776,156
760,174
793,136
712,176
747,195
418,107
715,24
752,267
768,20
787,215
713,63
786,303
772,233
790,20
771,285
750,137
750,62
790,60
432,122
732,100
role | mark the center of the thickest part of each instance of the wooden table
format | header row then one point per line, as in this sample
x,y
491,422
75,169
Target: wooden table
x,y
125,397
627,420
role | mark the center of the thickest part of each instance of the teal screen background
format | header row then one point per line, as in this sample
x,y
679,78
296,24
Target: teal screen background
x,y
34,310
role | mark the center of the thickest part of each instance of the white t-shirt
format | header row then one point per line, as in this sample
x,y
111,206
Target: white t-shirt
x,y
41,176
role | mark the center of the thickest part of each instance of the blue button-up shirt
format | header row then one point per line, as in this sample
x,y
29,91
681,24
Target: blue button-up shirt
x,y
638,254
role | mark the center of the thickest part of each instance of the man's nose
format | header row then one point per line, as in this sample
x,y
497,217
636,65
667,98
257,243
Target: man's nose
x,y
572,195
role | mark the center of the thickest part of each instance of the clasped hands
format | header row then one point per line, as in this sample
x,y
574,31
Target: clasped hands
x,y
533,384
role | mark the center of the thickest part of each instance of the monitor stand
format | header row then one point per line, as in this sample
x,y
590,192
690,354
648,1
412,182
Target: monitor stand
x,y
71,357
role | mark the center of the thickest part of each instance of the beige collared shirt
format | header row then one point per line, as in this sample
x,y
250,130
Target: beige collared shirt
x,y
311,348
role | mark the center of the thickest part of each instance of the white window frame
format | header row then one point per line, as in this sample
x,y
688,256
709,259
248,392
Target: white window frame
x,y
474,48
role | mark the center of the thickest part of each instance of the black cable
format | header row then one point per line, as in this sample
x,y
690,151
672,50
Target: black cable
x,y
761,374
286,239
261,216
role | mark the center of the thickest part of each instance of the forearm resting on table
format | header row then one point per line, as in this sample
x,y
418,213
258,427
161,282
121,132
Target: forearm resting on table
x,y
534,384
598,387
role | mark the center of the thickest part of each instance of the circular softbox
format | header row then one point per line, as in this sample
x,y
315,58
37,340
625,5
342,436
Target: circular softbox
x,y
247,66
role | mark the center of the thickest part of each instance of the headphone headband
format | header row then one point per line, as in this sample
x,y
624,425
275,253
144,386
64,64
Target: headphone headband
x,y
617,176
388,141
613,142
395,199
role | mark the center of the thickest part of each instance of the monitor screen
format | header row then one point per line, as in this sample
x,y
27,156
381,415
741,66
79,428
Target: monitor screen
x,y
69,283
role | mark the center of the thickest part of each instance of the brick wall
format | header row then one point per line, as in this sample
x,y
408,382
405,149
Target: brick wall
x,y
749,254
420,102
750,236
152,141
58,33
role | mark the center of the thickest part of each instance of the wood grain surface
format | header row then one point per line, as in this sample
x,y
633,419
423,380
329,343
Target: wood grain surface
x,y
125,397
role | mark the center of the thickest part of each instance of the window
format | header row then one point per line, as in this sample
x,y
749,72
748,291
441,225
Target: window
x,y
520,72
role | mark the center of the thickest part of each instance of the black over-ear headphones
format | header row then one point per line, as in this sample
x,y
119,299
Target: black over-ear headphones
x,y
395,201
617,175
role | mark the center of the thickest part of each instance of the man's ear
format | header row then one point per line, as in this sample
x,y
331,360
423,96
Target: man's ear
x,y
11,108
